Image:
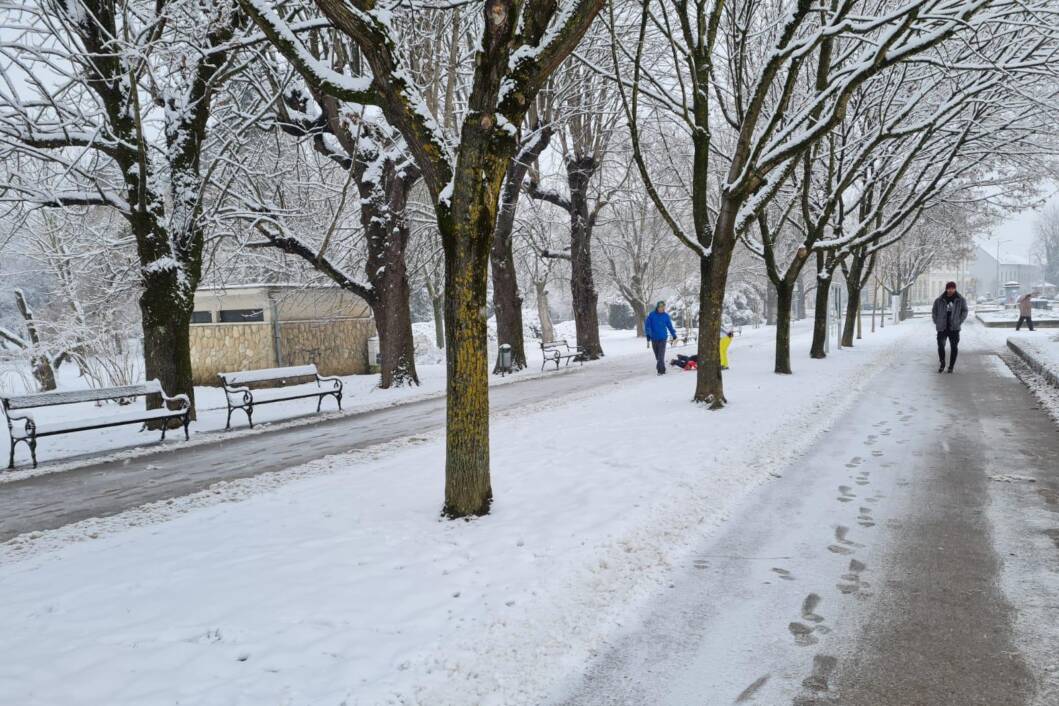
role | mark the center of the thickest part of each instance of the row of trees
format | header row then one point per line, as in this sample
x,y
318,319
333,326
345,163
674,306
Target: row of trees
x,y
380,143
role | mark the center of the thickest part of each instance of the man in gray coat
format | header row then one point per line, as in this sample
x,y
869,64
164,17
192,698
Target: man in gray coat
x,y
950,310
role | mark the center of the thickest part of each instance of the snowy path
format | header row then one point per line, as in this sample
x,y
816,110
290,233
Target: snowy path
x,y
909,559
109,487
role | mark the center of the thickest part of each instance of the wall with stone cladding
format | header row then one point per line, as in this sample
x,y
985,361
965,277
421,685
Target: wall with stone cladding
x,y
337,346
218,348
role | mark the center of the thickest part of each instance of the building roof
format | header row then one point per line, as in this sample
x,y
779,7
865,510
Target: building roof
x,y
265,285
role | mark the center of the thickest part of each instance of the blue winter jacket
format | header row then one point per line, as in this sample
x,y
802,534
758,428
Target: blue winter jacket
x,y
655,325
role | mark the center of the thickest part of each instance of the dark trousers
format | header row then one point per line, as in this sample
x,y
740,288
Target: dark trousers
x,y
1027,319
954,345
659,347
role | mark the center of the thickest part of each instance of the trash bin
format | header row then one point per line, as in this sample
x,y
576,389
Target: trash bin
x,y
504,357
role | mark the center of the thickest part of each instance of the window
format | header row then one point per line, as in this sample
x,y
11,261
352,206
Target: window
x,y
202,317
239,316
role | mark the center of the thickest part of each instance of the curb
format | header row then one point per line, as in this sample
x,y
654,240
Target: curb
x,y
1050,376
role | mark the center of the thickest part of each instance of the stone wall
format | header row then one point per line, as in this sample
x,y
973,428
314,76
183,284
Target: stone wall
x,y
337,346
218,348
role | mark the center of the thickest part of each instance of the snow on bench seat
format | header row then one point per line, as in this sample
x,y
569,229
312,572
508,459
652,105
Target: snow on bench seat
x,y
244,377
22,426
50,399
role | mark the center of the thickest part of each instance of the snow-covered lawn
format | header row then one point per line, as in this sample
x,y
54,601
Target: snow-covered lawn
x,y
360,393
337,583
1041,348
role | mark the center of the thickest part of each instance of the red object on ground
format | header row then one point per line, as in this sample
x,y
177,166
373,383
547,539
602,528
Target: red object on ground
x,y
691,365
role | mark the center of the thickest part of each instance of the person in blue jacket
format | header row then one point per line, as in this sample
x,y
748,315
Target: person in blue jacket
x,y
655,327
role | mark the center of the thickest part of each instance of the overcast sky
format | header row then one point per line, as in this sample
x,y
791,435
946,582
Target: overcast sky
x,y
1017,230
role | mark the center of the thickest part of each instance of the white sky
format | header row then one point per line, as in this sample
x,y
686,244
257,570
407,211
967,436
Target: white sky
x,y
1017,231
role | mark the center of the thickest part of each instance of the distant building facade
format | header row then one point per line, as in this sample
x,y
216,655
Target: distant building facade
x,y
248,327
932,283
992,275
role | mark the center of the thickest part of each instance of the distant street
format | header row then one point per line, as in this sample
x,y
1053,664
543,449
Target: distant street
x,y
911,559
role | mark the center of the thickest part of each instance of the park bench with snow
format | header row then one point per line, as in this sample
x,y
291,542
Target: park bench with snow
x,y
271,385
23,426
560,350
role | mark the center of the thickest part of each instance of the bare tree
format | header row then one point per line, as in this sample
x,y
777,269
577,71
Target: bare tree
x,y
582,107
1046,242
753,86
109,103
521,44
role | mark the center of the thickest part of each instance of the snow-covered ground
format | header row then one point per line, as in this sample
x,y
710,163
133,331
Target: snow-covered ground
x,y
360,393
1011,316
1042,349
337,582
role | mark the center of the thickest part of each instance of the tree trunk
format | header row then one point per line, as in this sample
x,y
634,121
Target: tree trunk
x,y
437,304
393,322
820,319
784,306
43,371
467,229
382,214
544,313
906,305
849,326
166,316
639,310
582,283
468,490
507,300
854,281
860,311
709,385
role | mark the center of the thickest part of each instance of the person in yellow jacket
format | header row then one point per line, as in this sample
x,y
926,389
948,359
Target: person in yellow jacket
x,y
726,341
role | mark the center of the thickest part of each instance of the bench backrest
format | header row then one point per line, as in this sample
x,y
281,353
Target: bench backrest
x,y
244,377
551,345
48,399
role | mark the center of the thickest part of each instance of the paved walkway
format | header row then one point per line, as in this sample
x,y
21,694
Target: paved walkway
x,y
909,560
98,490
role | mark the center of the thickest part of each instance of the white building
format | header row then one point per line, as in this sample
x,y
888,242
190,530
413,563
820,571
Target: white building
x,y
991,275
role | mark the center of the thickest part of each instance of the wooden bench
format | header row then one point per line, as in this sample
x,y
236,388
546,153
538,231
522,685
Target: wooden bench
x,y
16,406
271,386
556,351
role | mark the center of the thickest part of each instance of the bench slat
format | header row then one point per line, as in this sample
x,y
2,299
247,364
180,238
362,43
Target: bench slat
x,y
85,424
242,377
48,399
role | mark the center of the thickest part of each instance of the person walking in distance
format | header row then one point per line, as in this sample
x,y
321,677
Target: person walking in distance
x,y
655,327
1026,310
949,312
